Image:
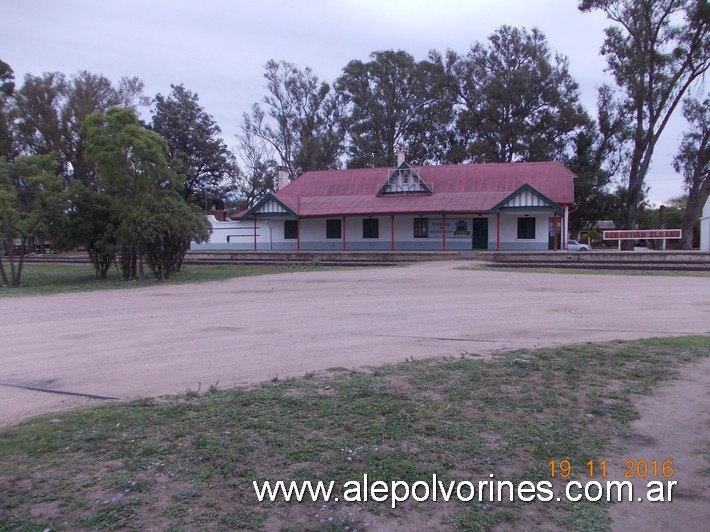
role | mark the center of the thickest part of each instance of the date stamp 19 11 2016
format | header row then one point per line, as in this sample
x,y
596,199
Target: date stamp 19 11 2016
x,y
653,469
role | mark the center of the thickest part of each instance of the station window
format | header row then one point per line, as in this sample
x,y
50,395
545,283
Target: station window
x,y
526,228
290,229
333,228
421,228
371,228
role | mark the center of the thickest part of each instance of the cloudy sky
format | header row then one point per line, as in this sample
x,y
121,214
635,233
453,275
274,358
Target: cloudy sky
x,y
217,48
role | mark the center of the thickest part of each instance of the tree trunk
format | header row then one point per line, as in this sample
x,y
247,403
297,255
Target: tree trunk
x,y
5,281
16,272
629,222
11,258
20,263
691,216
134,263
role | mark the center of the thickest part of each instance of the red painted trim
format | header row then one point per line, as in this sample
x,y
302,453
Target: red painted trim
x,y
554,231
392,232
497,231
254,234
343,234
298,234
565,228
443,232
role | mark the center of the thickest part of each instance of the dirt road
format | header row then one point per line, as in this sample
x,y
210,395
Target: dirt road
x,y
674,424
168,339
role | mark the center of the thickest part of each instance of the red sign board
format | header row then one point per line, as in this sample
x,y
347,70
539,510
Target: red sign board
x,y
652,234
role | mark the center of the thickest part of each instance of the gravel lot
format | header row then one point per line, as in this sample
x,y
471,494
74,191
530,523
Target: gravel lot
x,y
161,340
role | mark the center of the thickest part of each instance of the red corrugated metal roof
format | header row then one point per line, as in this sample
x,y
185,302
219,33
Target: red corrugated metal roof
x,y
456,188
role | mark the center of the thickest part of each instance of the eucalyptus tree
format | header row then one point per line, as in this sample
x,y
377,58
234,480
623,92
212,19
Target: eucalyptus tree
x,y
47,113
597,157
37,116
257,170
7,88
656,50
693,163
301,119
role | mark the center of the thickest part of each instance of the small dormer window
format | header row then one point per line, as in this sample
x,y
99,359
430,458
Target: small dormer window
x,y
404,180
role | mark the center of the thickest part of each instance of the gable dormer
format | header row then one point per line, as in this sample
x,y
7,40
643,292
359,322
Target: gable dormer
x,y
404,180
526,197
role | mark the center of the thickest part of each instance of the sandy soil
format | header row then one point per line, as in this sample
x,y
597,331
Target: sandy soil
x,y
168,339
161,340
674,425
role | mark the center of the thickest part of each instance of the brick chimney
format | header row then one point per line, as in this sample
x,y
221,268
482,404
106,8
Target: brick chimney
x,y
400,155
283,177
219,214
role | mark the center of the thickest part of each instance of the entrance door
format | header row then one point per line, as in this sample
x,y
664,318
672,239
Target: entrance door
x,y
479,232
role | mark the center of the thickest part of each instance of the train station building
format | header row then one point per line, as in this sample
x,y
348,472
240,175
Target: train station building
x,y
511,206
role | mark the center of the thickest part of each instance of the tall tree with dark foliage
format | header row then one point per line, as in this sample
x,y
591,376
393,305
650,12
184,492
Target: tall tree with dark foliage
x,y
517,101
394,99
195,150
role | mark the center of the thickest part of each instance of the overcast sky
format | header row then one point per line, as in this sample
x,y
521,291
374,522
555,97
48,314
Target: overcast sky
x,y
218,48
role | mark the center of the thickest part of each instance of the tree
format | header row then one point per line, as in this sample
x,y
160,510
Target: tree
x,y
257,172
30,205
195,150
597,157
132,165
392,100
48,112
37,124
517,102
693,162
7,89
90,93
302,122
91,224
165,225
656,50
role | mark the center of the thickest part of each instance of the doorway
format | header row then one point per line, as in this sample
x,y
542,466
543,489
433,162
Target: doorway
x,y
479,233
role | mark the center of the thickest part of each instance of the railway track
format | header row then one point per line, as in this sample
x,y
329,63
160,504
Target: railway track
x,y
607,265
591,261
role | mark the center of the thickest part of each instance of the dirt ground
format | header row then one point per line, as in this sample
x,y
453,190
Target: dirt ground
x,y
674,425
162,340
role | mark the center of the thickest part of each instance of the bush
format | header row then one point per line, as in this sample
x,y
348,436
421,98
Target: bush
x,y
164,225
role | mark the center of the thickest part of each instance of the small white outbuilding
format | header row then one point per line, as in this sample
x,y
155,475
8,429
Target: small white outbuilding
x,y
705,228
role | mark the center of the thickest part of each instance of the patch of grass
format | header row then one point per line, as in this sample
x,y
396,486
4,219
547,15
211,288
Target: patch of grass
x,y
188,462
44,278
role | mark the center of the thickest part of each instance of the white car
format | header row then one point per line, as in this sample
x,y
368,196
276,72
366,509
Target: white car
x,y
573,245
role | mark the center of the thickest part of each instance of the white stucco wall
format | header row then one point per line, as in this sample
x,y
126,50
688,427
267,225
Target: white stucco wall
x,y
270,233
509,231
705,228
